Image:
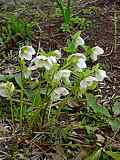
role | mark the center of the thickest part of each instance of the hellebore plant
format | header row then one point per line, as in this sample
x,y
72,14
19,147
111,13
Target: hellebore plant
x,y
57,82
7,90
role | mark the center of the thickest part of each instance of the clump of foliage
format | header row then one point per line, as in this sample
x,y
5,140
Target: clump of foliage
x,y
44,87
66,12
54,80
70,20
15,28
82,23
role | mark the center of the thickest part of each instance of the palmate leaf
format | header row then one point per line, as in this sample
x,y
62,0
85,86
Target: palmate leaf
x,y
95,155
34,96
114,155
71,44
6,77
18,79
116,108
67,13
115,124
61,6
98,109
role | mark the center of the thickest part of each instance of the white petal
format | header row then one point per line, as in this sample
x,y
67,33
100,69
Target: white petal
x,y
87,82
78,55
80,42
91,79
58,93
2,90
31,50
52,59
100,75
41,62
94,57
27,57
83,84
26,52
81,63
96,52
63,75
57,54
6,89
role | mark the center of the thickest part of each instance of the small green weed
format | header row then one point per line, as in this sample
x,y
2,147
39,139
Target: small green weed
x,y
70,20
82,23
66,12
89,11
15,28
98,116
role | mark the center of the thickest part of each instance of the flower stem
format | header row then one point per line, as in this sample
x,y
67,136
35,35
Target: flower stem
x,y
21,107
12,114
21,94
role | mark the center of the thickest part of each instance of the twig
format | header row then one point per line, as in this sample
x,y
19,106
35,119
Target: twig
x,y
107,144
115,30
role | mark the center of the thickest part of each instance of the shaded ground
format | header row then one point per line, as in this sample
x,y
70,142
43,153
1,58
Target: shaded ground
x,y
102,34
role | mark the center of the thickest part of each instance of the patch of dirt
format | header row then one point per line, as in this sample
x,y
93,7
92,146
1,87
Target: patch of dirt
x,y
106,34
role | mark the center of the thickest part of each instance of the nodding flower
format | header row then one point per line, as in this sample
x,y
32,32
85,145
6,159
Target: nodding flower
x,y
79,42
100,75
43,62
58,93
87,82
96,52
6,89
80,60
57,54
63,75
26,52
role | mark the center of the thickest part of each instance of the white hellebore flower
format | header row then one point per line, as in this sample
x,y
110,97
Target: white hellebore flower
x,y
42,62
79,42
26,52
81,64
52,59
96,52
81,58
100,75
78,55
58,93
6,89
63,75
87,82
57,54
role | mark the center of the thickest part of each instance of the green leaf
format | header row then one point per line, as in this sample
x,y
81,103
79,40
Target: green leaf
x,y
71,44
34,96
6,77
18,79
116,108
115,124
1,41
95,155
114,155
98,109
